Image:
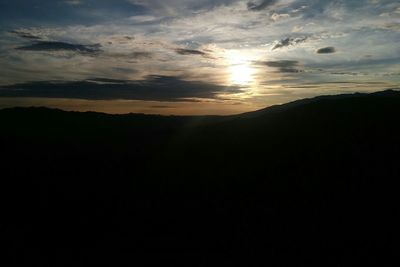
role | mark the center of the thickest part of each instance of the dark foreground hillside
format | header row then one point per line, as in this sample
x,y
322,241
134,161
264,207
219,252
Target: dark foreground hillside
x,y
313,182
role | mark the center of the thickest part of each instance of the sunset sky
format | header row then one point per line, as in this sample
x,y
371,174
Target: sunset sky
x,y
193,56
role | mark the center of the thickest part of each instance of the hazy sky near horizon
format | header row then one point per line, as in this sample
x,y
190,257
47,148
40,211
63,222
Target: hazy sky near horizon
x,y
193,56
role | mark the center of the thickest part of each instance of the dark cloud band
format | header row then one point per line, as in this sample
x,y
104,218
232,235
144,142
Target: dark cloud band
x,y
51,46
154,88
284,66
186,52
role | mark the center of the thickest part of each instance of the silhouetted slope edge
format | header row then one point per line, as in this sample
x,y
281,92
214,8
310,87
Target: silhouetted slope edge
x,y
302,102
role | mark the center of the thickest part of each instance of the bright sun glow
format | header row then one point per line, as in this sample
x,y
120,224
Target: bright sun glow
x,y
241,72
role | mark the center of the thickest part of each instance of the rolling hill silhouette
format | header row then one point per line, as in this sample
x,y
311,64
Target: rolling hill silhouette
x,y
312,182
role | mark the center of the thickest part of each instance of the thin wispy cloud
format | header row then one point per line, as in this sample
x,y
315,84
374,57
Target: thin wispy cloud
x,y
73,2
25,34
289,41
257,5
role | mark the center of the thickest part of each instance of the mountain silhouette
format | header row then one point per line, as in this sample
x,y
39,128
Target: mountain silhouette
x,y
308,183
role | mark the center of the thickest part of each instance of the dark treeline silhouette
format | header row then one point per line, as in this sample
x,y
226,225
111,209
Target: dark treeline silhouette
x,y
313,182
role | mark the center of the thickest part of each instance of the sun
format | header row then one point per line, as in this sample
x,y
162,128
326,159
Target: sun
x,y
240,69
241,74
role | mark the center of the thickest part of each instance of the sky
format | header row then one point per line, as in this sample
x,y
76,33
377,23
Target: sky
x,y
193,57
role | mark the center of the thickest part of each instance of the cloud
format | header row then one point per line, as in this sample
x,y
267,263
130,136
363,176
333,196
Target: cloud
x,y
73,2
129,55
257,5
163,106
177,8
61,46
326,50
275,17
124,70
284,66
25,34
280,63
289,41
153,88
140,55
186,52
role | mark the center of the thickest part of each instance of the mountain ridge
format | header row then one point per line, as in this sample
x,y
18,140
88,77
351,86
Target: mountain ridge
x,y
274,108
